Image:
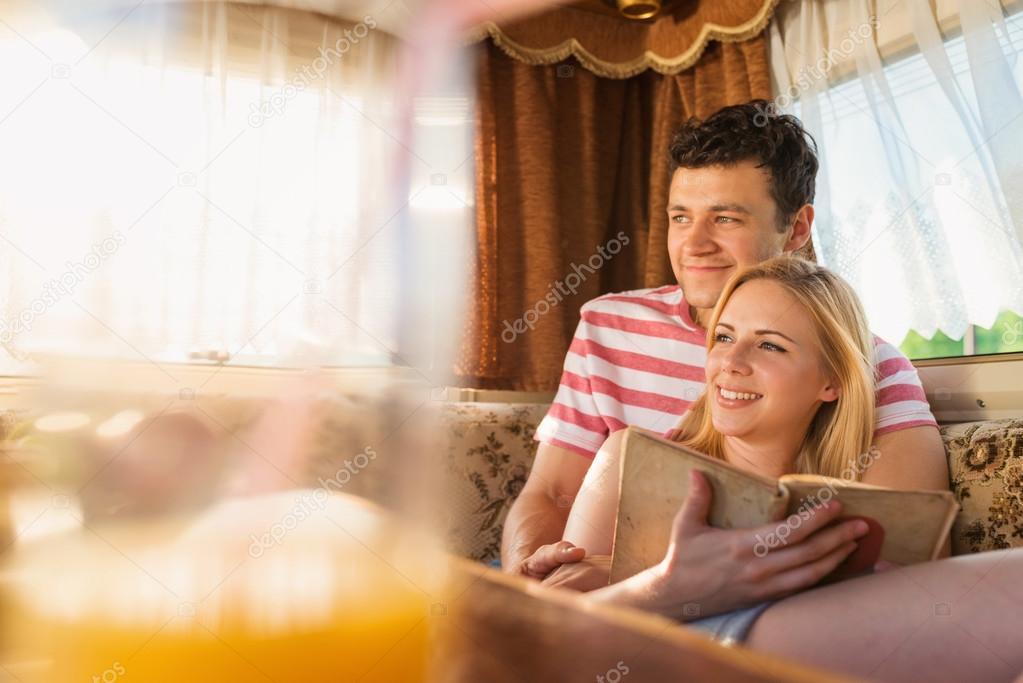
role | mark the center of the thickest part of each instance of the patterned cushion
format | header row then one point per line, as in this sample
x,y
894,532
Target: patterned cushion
x,y
490,452
985,462
491,449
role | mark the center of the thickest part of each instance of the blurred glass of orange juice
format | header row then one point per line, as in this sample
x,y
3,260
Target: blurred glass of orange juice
x,y
288,587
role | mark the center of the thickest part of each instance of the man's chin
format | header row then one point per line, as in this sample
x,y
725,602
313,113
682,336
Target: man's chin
x,y
701,296
707,285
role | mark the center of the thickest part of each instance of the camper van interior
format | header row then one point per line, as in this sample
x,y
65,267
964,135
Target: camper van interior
x,y
509,340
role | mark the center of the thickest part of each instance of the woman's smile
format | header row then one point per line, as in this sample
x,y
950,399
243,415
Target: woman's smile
x,y
727,398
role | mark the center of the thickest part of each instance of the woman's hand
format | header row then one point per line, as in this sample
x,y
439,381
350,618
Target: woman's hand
x,y
708,571
676,433
719,570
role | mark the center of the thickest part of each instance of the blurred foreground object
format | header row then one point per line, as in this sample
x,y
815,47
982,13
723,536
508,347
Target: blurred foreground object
x,y
162,463
519,630
208,536
295,586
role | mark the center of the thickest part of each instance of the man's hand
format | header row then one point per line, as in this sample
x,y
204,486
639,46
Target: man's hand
x,y
548,558
538,515
588,574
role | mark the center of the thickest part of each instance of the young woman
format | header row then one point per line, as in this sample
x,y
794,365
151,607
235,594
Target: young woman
x,y
790,389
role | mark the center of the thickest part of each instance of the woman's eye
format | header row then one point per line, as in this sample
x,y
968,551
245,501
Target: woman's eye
x,y
719,337
771,347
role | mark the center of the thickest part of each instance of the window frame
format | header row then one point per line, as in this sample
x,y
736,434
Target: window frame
x,y
969,388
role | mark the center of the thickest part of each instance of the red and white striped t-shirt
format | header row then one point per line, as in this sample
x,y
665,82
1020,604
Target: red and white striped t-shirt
x,y
638,359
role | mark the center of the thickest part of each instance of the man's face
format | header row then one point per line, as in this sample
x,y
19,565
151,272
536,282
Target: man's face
x,y
720,220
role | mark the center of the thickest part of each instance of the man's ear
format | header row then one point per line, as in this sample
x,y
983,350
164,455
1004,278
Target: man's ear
x,y
800,228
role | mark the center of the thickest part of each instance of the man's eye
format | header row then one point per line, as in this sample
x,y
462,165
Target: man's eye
x,y
727,219
680,219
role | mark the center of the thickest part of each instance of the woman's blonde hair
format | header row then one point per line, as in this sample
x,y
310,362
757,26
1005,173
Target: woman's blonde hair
x,y
842,429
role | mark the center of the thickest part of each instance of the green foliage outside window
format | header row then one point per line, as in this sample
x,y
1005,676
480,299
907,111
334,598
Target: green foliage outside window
x,y
1005,336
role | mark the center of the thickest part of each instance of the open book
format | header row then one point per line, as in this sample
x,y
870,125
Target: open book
x,y
906,526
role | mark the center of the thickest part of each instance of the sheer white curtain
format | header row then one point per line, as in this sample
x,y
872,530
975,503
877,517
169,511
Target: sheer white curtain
x,y
216,178
920,203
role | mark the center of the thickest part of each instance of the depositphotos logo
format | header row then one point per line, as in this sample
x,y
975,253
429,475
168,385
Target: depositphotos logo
x,y
556,293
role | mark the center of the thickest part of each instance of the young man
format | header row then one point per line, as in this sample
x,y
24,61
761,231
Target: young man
x,y
741,192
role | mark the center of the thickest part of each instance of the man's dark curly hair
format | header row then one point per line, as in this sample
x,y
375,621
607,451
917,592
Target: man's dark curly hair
x,y
753,132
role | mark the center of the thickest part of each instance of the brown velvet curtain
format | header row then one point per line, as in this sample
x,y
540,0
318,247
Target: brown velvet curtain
x,y
565,161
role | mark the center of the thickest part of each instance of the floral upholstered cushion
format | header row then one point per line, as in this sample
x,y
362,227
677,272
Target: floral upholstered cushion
x,y
491,449
490,452
985,462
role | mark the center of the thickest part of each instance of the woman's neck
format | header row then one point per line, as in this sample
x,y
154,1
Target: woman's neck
x,y
769,457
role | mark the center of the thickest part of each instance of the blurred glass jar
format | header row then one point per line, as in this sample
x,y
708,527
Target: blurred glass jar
x,y
222,542
294,586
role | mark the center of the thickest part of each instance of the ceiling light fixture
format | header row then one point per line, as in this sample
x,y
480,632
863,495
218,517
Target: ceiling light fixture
x,y
639,9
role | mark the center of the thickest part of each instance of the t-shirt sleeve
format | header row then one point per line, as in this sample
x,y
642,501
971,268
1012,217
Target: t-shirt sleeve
x,y
573,421
901,402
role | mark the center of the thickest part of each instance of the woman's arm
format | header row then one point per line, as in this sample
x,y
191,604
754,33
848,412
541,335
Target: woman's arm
x,y
591,522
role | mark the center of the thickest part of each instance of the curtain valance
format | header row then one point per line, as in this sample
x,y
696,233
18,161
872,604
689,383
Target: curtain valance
x,y
615,47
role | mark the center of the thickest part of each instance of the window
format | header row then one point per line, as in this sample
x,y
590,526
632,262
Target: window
x,y
920,194
170,199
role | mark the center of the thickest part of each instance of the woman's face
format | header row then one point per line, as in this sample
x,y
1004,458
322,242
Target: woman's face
x,y
765,370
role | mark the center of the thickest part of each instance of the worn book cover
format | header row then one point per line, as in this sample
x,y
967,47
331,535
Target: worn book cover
x,y
906,526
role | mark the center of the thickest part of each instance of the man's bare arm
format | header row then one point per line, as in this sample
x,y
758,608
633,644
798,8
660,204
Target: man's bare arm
x,y
538,515
911,458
